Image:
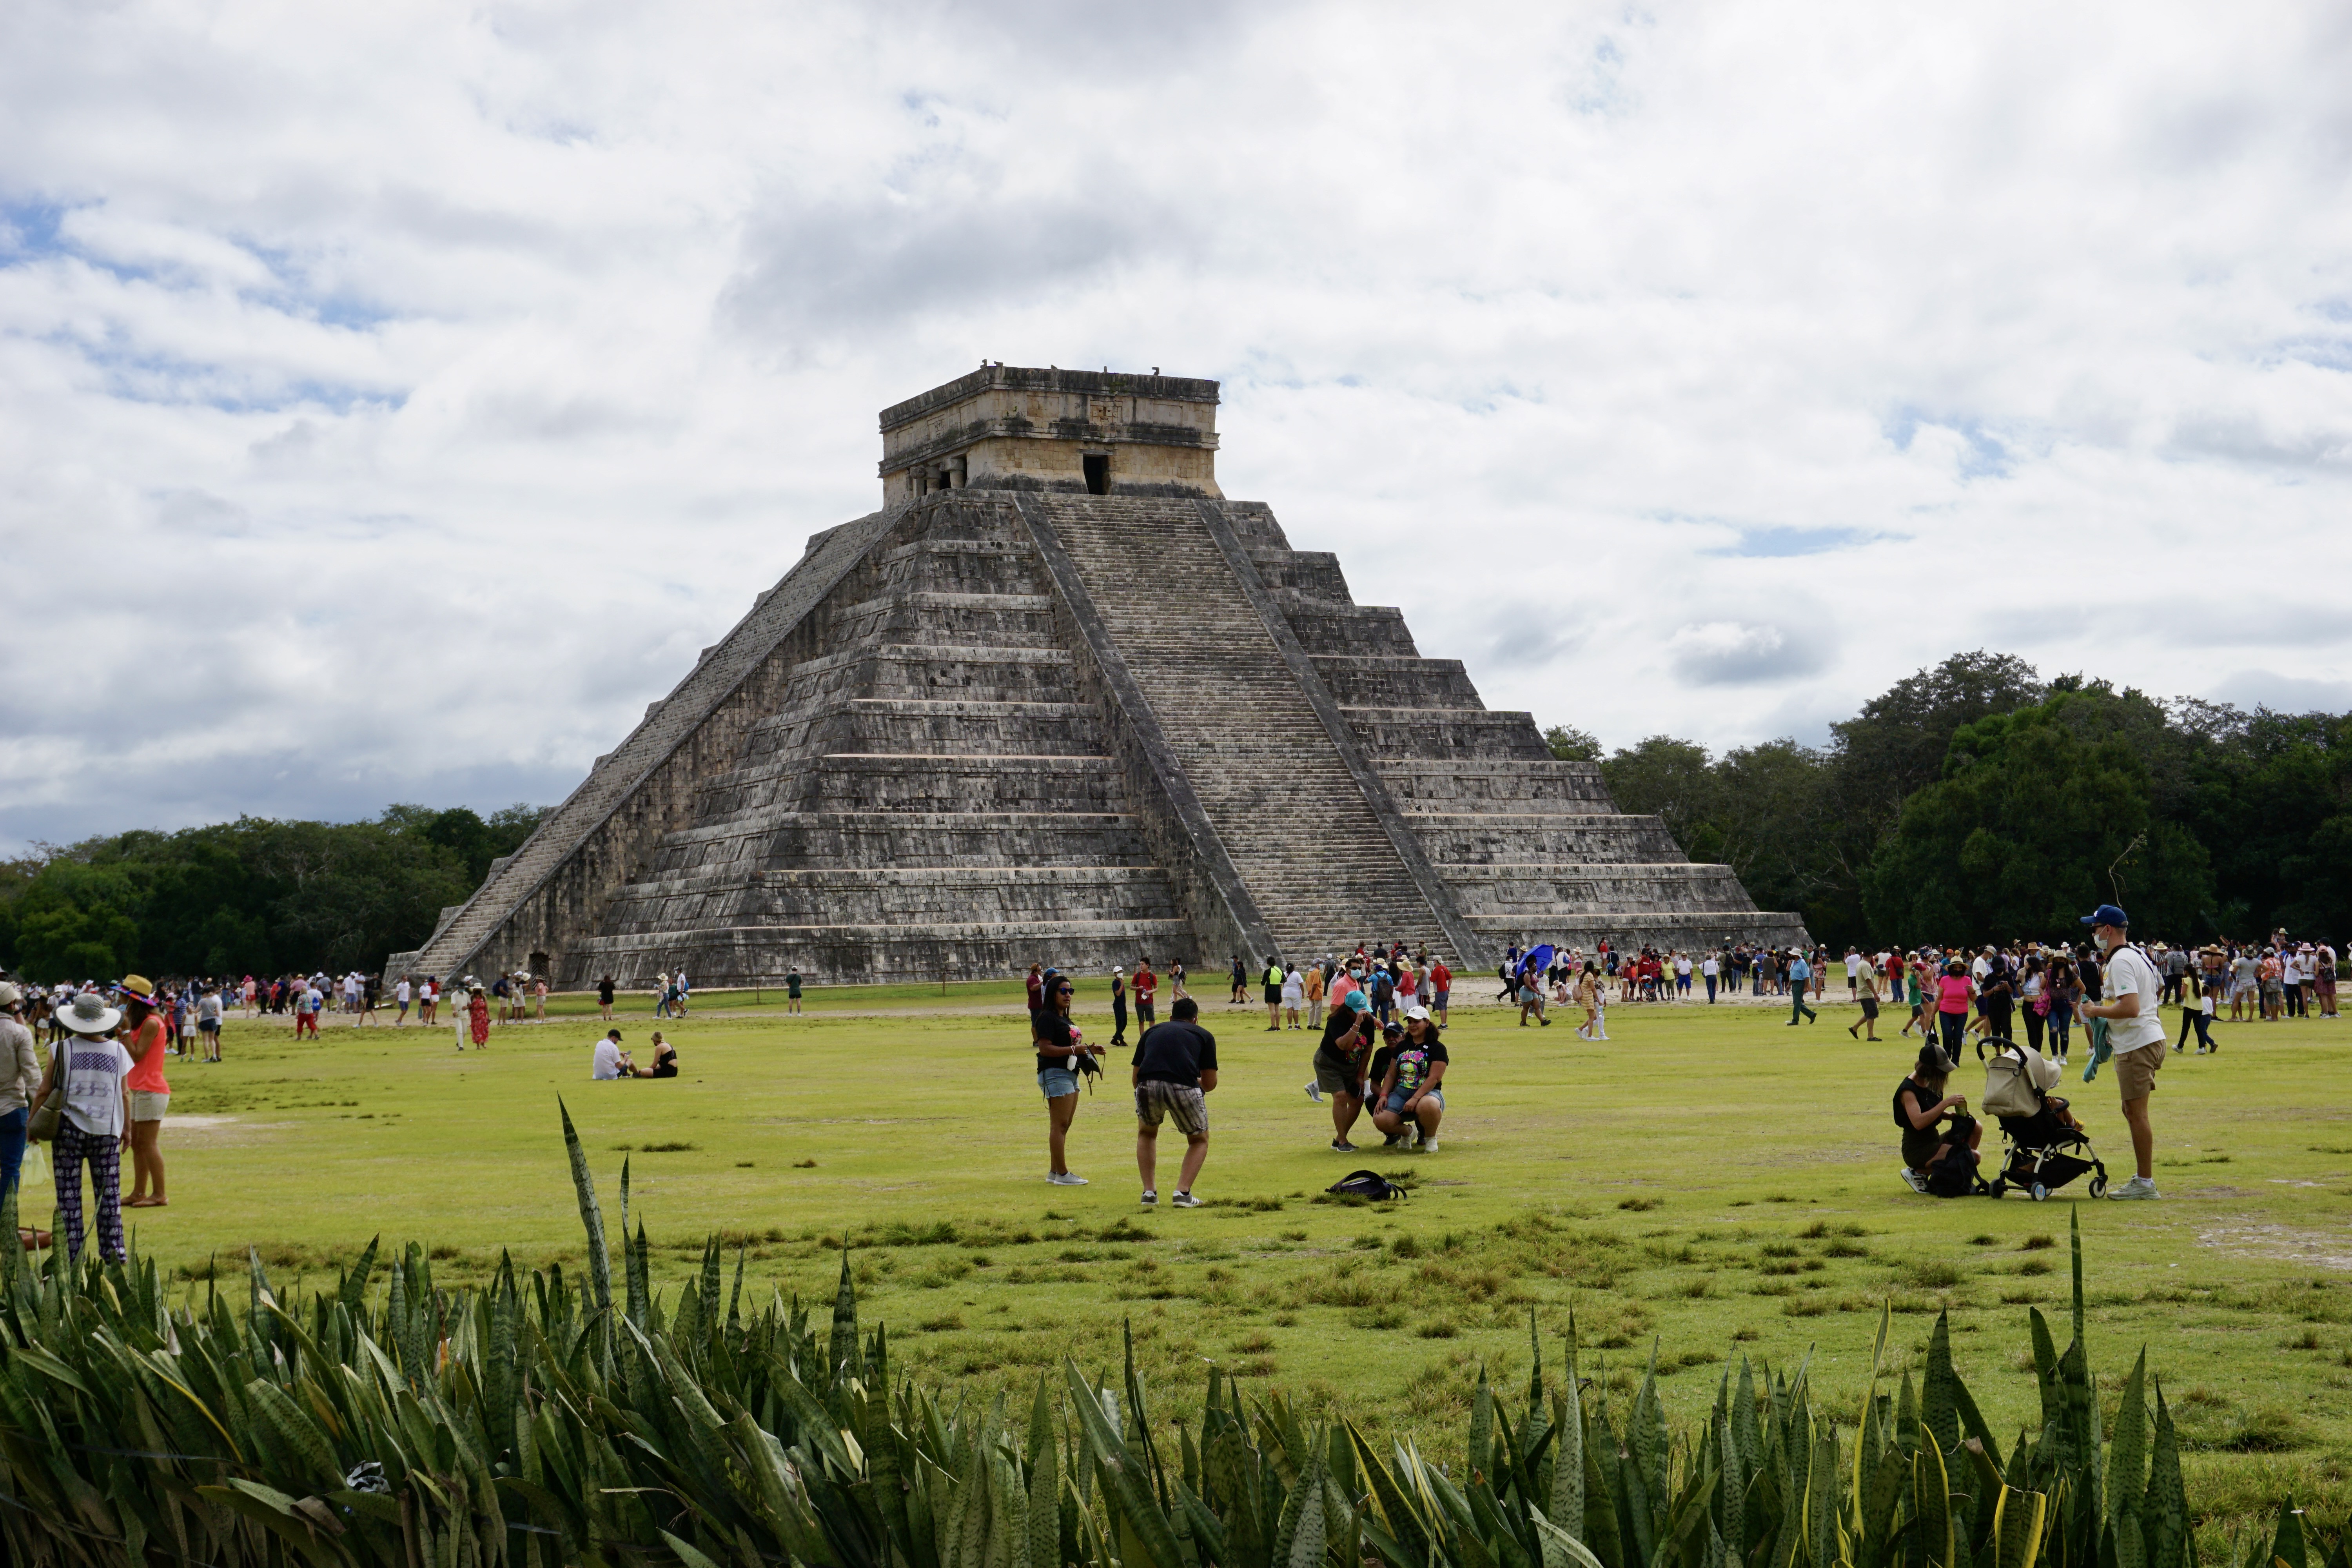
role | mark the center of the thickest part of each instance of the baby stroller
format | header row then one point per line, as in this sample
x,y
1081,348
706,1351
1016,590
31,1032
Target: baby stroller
x,y
2044,1152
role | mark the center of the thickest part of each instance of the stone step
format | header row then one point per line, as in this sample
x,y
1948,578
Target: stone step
x,y
922,617
1495,785
966,672
1529,891
929,725
1446,734
903,781
880,895
852,955
1452,838
821,839
1327,626
1387,681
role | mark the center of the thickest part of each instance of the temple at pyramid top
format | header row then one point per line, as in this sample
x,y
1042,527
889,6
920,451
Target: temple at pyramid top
x,y
1086,432
1061,702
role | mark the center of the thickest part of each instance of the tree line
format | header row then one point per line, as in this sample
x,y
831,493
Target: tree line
x,y
255,896
1976,802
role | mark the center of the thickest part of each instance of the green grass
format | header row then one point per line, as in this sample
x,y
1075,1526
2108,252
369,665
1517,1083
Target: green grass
x,y
1709,1180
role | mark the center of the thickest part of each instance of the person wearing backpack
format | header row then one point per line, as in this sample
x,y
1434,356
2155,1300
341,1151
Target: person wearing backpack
x,y
1273,982
1934,1162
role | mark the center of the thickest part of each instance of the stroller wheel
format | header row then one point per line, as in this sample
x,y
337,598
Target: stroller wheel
x,y
1999,1188
2040,1192
2099,1186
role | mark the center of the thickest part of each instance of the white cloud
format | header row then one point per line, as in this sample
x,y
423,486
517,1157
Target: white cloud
x,y
392,401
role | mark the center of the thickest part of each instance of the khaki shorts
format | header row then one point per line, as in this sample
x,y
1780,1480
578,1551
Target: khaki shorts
x,y
148,1106
1177,1102
2136,1070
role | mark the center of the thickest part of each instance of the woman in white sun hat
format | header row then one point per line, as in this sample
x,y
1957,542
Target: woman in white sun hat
x,y
95,1123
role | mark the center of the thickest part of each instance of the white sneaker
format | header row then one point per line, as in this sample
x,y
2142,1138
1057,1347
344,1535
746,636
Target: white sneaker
x,y
1914,1180
1429,1145
1184,1201
1151,1198
1066,1178
1315,1093
2136,1188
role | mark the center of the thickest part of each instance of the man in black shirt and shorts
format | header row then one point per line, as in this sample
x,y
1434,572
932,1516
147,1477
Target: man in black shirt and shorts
x,y
1175,1067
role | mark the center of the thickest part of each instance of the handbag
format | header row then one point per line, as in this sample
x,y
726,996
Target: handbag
x,y
41,1127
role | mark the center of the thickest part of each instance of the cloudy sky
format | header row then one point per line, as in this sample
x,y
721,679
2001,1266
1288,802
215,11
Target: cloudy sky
x,y
393,398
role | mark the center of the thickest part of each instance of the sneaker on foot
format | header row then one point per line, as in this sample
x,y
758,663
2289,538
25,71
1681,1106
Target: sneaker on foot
x,y
1151,1198
1914,1180
1315,1093
1066,1178
2136,1188
1184,1200
1341,1146
1429,1145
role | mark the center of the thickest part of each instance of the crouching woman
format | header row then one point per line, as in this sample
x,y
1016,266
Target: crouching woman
x,y
1930,1148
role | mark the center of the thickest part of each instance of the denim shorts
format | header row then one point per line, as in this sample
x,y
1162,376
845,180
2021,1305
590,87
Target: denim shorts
x,y
1057,1081
1397,1098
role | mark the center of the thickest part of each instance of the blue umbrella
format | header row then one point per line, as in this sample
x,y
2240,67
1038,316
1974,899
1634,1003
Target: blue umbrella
x,y
1539,959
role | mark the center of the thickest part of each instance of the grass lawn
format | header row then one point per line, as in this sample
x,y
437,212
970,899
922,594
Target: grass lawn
x,y
1710,1178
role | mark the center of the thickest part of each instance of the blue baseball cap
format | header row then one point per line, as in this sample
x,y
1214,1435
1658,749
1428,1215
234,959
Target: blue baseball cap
x,y
1356,1001
2105,915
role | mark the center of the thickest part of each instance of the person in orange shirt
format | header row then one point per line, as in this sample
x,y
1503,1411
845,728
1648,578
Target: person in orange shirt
x,y
149,1093
1441,986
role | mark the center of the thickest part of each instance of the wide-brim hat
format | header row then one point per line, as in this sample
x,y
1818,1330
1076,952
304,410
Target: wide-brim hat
x,y
9,994
87,1013
138,987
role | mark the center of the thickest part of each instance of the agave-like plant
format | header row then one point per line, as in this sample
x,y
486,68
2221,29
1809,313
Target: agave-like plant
x,y
539,1420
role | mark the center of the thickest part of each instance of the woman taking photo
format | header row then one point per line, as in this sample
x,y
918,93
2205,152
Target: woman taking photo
x,y
1339,1065
1061,1051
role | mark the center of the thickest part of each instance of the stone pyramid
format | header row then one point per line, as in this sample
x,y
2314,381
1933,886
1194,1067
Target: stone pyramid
x,y
1061,702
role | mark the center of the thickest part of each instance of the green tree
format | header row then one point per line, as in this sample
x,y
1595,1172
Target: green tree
x,y
2039,815
1570,744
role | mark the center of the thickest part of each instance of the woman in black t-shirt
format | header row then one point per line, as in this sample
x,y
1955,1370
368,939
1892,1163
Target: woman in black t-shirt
x,y
1060,1047
1339,1066
604,997
1920,1106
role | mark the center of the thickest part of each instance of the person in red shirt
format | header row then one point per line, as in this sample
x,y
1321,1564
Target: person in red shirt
x,y
1036,986
1441,985
1146,983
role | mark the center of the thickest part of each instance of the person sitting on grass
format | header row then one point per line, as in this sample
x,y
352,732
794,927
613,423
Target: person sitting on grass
x,y
1920,1105
665,1059
1411,1104
611,1061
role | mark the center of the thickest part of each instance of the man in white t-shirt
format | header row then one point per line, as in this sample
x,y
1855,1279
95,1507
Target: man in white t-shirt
x,y
2135,1034
610,1060
1853,973
1711,970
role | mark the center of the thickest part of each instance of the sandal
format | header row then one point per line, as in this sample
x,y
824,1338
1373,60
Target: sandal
x,y
144,1203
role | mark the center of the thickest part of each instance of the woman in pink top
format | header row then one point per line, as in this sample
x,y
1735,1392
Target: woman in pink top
x,y
150,1094
1953,990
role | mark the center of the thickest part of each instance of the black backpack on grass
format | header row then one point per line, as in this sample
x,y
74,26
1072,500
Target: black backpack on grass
x,y
1369,1184
1954,1176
